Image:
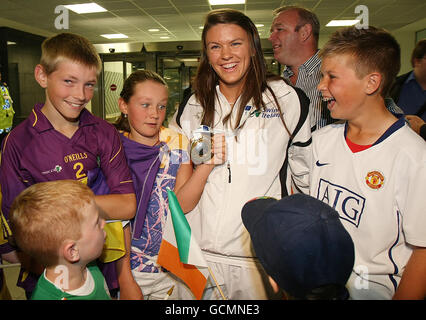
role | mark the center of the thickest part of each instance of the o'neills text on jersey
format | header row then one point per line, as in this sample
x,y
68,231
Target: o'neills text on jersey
x,y
75,156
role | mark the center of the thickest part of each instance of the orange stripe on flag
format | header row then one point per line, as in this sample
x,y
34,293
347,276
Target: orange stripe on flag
x,y
168,257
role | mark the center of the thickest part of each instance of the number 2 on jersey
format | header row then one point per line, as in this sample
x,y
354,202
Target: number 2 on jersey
x,y
79,175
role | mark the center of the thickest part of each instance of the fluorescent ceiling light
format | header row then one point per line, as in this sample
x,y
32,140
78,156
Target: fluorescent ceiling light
x,y
219,2
85,8
189,59
165,37
153,30
9,43
342,23
114,36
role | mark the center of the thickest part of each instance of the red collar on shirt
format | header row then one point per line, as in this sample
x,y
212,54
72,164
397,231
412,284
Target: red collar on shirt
x,y
356,147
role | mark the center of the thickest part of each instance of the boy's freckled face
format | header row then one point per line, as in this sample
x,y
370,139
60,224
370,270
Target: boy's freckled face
x,y
92,234
340,86
69,88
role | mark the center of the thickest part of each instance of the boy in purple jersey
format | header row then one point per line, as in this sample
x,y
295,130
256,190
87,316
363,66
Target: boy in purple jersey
x,y
61,139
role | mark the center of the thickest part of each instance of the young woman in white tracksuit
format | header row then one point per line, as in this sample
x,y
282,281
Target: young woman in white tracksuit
x,y
259,116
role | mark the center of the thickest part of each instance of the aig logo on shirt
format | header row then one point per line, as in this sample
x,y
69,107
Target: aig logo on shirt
x,y
347,203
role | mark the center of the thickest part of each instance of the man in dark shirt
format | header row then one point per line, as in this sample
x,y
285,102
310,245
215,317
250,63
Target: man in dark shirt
x,y
409,92
409,89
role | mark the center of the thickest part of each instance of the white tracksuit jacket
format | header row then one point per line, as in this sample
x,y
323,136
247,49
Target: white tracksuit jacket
x,y
253,164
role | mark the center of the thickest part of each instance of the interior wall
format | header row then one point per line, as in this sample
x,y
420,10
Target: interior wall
x,y
23,54
407,42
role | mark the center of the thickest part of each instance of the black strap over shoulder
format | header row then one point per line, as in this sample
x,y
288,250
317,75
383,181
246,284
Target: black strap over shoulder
x,y
182,107
304,112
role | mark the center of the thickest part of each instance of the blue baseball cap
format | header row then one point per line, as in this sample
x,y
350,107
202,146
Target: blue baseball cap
x,y
300,242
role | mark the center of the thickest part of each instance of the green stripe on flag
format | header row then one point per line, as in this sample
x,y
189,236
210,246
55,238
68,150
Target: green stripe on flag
x,y
180,225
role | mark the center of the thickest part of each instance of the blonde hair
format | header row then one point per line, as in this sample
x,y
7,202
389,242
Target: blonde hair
x,y
372,49
46,214
69,46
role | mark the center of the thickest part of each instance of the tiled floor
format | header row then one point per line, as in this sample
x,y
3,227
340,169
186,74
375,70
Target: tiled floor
x,y
11,275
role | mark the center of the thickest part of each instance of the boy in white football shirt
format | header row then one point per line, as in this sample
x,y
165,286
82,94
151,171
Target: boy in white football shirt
x,y
371,167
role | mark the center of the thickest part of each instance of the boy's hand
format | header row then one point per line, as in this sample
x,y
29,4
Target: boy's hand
x,y
130,290
415,122
218,149
11,257
413,282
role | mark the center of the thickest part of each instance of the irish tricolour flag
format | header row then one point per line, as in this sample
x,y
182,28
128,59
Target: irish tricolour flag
x,y
180,253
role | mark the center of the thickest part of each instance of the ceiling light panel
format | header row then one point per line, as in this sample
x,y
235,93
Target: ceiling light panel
x,y
342,23
114,36
224,2
85,8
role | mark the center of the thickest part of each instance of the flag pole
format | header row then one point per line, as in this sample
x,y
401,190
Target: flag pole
x,y
217,285
9,265
169,293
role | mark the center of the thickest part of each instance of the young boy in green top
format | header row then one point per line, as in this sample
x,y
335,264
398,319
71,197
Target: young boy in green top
x,y
58,224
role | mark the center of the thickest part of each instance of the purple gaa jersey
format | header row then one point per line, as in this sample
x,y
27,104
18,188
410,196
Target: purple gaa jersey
x,y
35,152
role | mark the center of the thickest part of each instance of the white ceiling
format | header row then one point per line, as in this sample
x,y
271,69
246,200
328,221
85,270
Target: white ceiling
x,y
180,19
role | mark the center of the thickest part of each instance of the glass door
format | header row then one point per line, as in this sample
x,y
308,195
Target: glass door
x,y
113,75
115,69
178,71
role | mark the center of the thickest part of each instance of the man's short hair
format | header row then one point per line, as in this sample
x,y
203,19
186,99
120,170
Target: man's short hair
x,y
419,51
68,46
372,49
46,214
305,17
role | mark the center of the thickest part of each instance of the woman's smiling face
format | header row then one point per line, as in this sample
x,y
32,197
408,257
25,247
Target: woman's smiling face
x,y
229,53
